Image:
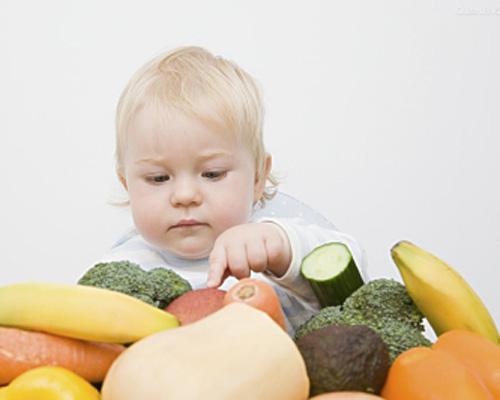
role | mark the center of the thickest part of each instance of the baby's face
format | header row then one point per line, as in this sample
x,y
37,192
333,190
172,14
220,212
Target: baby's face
x,y
187,183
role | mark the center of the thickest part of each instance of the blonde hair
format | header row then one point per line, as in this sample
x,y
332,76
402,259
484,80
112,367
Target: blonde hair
x,y
197,83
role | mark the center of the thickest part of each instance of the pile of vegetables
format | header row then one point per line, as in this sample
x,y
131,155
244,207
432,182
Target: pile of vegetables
x,y
80,329
123,333
464,362
383,305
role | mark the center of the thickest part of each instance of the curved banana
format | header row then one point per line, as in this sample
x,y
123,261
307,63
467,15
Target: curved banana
x,y
440,292
81,312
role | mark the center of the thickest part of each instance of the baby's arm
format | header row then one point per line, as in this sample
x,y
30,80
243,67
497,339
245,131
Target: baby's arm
x,y
304,237
276,247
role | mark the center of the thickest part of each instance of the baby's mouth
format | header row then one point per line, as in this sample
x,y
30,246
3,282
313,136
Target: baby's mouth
x,y
184,224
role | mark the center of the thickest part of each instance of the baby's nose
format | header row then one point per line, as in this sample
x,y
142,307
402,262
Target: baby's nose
x,y
186,192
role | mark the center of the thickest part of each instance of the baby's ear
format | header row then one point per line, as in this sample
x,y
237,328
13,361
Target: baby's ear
x,y
123,181
260,179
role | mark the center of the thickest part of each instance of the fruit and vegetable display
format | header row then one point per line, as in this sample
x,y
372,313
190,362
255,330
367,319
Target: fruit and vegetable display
x,y
123,333
381,304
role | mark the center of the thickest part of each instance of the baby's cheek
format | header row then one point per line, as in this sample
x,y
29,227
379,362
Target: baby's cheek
x,y
146,220
234,214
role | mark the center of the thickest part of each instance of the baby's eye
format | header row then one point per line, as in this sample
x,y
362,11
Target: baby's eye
x,y
214,175
158,178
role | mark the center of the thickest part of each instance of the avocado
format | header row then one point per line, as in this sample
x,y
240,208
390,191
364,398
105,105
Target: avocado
x,y
344,358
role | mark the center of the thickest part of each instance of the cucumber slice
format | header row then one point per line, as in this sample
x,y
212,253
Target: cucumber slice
x,y
332,273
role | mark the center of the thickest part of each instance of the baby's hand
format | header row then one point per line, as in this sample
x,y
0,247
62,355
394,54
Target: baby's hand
x,y
249,247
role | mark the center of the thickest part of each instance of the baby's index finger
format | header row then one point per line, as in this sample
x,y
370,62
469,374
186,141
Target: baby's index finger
x,y
225,274
214,275
216,267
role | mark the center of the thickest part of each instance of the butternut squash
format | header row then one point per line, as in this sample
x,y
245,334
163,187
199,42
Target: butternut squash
x,y
238,352
346,396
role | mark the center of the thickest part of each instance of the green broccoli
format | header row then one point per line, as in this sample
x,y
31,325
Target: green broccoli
x,y
383,298
383,305
158,287
400,337
326,316
167,285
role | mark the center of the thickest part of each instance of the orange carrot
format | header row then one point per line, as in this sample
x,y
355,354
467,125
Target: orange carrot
x,y
21,350
258,294
477,353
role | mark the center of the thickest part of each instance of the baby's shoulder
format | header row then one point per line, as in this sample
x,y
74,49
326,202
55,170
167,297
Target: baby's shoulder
x,y
285,206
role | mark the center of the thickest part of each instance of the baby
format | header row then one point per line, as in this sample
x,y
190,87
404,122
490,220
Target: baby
x,y
190,154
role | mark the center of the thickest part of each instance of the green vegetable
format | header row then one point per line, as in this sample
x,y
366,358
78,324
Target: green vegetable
x,y
332,273
383,305
399,337
344,358
158,287
167,285
381,299
326,316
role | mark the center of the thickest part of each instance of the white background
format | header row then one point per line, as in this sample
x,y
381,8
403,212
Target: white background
x,y
383,116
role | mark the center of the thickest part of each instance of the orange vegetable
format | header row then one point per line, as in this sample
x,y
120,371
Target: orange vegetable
x,y
478,354
346,396
422,374
22,350
258,294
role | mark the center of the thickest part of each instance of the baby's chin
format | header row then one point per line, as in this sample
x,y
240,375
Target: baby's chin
x,y
191,253
189,248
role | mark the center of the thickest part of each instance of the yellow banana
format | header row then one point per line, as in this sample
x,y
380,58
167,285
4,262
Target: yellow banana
x,y
81,312
440,292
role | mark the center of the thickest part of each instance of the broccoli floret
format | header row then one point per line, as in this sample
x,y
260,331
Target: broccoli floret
x,y
383,305
158,287
167,285
325,317
400,337
384,298
120,276
397,334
